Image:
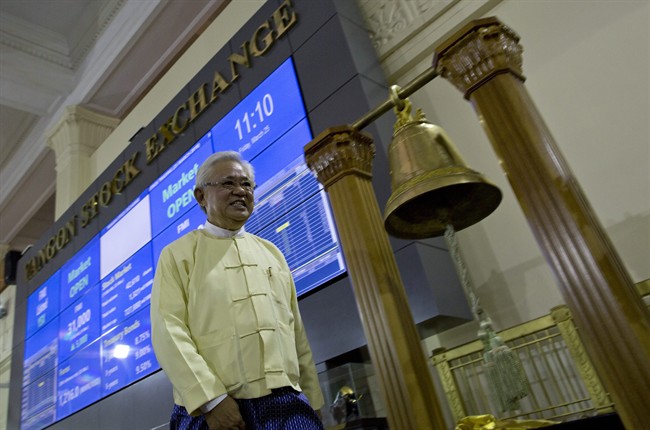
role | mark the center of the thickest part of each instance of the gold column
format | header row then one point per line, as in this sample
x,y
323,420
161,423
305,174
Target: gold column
x,y
342,157
483,60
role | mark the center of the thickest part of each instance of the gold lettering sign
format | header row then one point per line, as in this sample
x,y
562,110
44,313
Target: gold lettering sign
x,y
54,245
260,42
262,39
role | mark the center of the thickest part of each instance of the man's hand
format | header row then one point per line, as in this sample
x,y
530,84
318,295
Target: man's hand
x,y
225,416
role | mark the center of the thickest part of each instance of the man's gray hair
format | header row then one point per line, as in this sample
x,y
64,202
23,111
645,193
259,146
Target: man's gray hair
x,y
205,170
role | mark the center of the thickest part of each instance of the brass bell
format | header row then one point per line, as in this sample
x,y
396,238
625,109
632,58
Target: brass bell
x,y
431,185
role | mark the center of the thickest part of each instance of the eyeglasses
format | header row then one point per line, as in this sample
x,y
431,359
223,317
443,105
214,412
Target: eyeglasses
x,y
230,184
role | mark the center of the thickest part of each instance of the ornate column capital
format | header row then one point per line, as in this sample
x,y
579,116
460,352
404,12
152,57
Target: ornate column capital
x,y
338,152
79,130
477,52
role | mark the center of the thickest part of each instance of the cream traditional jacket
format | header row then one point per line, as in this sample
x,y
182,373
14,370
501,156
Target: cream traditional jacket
x,y
225,319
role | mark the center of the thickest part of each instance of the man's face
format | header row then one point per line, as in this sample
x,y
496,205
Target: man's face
x,y
227,200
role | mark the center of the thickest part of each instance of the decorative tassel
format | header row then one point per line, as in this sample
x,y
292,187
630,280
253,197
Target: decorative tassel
x,y
503,368
505,373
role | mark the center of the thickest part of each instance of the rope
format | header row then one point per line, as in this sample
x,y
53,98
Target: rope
x,y
505,373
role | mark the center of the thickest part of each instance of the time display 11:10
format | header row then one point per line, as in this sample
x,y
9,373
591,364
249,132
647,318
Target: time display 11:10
x,y
263,109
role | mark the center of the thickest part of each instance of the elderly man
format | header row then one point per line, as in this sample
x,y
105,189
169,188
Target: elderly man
x,y
225,322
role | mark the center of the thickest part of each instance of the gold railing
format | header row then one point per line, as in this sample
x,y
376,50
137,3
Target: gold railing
x,y
562,382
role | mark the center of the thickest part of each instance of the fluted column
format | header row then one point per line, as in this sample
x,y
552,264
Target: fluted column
x,y
74,139
342,157
484,61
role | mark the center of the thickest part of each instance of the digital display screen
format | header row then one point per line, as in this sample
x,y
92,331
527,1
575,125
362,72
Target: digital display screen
x,y
39,402
191,220
80,273
41,352
263,116
79,381
130,231
39,377
127,354
127,289
88,330
173,193
292,211
79,324
42,305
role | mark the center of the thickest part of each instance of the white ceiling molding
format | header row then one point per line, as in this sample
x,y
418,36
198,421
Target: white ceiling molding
x,y
95,23
34,40
25,96
67,51
131,21
21,123
21,68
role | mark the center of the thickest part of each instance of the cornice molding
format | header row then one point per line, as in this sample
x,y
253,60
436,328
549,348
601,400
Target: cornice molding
x,y
132,20
54,47
405,32
22,123
108,12
392,22
23,93
34,40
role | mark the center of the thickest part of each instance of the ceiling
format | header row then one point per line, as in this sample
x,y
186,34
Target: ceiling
x,y
102,55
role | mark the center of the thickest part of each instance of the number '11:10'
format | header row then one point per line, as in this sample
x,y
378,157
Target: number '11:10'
x,y
263,108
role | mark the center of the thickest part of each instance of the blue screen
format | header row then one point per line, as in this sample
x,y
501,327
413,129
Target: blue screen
x,y
173,193
41,351
79,324
263,116
190,220
292,211
39,402
88,331
127,289
79,380
127,354
43,305
80,273
39,377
